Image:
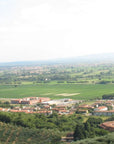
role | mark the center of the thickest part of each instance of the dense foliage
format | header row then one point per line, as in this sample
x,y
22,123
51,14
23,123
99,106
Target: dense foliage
x,y
89,129
5,104
108,96
54,123
107,139
12,134
40,121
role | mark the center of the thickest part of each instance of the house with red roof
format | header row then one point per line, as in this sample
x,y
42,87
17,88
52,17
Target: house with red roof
x,y
101,108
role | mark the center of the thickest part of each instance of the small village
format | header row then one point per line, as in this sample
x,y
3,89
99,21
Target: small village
x,y
61,106
66,106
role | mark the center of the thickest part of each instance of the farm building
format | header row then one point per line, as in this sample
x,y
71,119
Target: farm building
x,y
101,108
108,125
30,100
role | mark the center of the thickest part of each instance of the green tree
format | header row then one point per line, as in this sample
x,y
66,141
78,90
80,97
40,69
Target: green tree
x,y
79,132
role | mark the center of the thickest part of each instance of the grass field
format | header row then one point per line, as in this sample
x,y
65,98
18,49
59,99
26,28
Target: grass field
x,y
57,91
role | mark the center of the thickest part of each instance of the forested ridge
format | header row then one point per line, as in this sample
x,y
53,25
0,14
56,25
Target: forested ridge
x,y
10,134
30,128
107,139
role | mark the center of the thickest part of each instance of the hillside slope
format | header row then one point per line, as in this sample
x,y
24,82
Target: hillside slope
x,y
107,139
10,134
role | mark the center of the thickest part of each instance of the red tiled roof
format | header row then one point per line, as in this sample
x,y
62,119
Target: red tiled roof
x,y
15,99
112,111
63,111
102,107
108,125
43,112
1,109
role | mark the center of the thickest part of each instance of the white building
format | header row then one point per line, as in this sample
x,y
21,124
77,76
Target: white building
x,y
105,113
101,108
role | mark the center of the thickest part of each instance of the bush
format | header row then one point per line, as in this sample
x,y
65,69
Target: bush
x,y
103,82
108,96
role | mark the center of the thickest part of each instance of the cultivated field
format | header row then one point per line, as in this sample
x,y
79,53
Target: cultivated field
x,y
57,91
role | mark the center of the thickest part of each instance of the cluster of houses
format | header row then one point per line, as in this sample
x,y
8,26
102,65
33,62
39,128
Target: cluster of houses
x,y
106,108
30,100
98,108
65,106
42,105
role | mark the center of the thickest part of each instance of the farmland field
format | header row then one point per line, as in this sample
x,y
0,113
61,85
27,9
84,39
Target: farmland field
x,y
57,91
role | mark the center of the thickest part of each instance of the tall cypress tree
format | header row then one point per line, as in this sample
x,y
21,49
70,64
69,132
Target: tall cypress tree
x,y
79,132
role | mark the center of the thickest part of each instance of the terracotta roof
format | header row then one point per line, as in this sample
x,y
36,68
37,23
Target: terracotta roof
x,y
111,111
43,111
85,106
102,107
14,110
30,112
18,110
82,110
15,99
1,109
63,111
108,125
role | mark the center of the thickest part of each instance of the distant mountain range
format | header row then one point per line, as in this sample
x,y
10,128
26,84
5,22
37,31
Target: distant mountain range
x,y
107,57
95,58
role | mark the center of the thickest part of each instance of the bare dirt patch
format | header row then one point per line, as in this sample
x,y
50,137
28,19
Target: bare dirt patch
x,y
67,94
6,99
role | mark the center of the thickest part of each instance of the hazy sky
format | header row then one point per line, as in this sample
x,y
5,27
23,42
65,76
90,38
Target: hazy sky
x,y
47,29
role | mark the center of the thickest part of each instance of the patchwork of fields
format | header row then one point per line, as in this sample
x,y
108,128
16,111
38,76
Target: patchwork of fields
x,y
57,91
